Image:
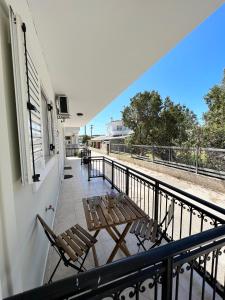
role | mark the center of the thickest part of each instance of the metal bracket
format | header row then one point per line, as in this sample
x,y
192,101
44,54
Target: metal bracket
x,y
36,178
30,106
50,107
51,147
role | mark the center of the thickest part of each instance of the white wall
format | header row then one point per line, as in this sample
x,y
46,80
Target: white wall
x,y
23,245
112,128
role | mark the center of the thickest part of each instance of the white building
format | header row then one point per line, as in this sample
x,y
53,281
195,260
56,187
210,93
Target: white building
x,y
117,128
72,136
76,48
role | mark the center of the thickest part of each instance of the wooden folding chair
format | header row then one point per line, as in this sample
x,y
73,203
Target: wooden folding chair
x,y
72,246
148,229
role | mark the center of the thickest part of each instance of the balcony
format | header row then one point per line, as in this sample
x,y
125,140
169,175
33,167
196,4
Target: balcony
x,y
189,263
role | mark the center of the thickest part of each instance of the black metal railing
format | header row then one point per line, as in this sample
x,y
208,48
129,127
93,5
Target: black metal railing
x,y
206,161
192,215
72,150
85,155
167,272
190,263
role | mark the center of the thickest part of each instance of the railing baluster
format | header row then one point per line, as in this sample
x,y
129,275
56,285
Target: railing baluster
x,y
191,279
144,196
127,181
215,274
167,279
112,164
203,277
181,219
173,220
103,167
156,200
177,283
190,221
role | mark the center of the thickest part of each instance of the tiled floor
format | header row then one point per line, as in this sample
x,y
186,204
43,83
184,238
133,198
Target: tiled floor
x,y
70,211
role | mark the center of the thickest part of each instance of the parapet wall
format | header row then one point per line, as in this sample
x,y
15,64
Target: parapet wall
x,y
214,184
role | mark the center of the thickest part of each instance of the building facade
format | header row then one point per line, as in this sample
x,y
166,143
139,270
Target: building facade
x,y
49,48
117,128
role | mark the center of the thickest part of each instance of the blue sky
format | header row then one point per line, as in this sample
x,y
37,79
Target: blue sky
x,y
185,74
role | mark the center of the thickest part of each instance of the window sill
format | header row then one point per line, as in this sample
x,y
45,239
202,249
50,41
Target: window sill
x,y
50,162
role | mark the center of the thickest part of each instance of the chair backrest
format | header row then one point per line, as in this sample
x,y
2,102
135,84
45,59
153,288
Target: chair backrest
x,y
49,232
169,214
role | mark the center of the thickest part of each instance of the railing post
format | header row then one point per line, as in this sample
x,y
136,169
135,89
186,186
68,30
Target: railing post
x,y
196,160
112,186
127,181
167,279
103,168
156,201
152,153
89,169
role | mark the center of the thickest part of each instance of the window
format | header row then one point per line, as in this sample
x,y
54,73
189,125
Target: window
x,y
119,128
36,118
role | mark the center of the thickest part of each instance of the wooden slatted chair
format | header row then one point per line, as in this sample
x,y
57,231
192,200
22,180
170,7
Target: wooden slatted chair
x,y
72,246
148,229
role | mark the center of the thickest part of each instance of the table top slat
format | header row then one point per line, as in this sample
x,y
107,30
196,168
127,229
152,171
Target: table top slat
x,y
119,214
116,220
105,211
123,210
98,215
87,214
136,209
130,212
101,216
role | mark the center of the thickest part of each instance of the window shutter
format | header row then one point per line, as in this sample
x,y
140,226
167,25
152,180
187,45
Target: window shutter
x,y
28,102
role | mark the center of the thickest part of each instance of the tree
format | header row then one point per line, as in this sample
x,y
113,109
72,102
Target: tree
x,y
214,127
142,116
157,121
85,139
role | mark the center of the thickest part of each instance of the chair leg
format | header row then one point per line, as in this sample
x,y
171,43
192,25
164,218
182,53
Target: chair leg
x,y
141,243
85,256
53,273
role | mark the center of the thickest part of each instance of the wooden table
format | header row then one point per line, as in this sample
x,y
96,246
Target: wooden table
x,y
99,215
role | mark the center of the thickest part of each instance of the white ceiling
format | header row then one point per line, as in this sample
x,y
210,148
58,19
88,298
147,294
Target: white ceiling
x,y
95,49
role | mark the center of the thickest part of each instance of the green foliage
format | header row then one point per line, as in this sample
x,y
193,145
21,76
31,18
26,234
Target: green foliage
x,y
157,121
85,139
214,127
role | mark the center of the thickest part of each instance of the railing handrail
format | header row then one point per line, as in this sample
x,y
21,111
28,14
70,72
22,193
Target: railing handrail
x,y
179,191
93,278
172,147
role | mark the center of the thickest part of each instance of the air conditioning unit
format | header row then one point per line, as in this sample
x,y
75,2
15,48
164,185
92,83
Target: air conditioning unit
x,y
62,104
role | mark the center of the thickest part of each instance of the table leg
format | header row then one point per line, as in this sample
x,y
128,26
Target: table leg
x,y
119,242
119,235
94,250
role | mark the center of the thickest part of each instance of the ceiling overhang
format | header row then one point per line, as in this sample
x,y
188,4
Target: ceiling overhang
x,y
95,49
